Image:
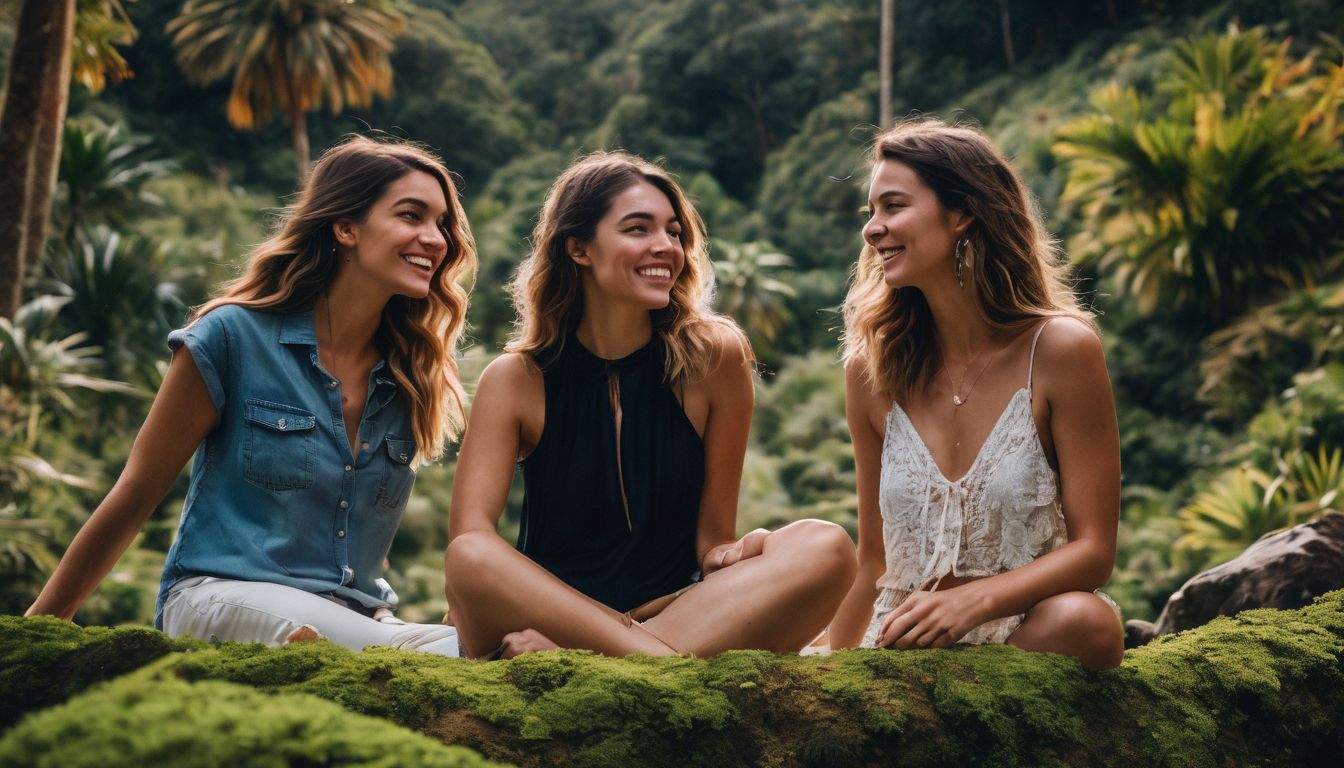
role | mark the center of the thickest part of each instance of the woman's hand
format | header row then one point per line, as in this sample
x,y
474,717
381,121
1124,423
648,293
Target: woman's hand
x,y
724,555
527,641
934,619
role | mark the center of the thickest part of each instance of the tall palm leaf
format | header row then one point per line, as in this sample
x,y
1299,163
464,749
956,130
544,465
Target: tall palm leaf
x,y
27,547
1319,481
289,56
1219,193
1256,356
38,374
100,26
123,300
1240,507
748,289
103,173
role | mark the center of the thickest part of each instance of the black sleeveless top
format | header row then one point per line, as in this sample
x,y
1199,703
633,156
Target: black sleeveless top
x,y
622,551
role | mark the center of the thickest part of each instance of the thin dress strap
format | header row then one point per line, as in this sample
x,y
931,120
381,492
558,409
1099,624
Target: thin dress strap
x,y
1031,361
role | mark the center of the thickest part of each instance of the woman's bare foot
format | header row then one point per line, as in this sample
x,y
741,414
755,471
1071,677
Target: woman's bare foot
x,y
527,641
303,634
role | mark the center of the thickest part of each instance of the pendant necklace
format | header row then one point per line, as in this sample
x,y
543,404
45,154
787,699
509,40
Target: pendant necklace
x,y
959,399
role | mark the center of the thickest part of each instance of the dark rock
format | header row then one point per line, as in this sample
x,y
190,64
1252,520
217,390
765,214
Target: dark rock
x,y
1286,569
1138,632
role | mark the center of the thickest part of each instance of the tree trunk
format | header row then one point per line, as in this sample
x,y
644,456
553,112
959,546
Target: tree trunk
x,y
884,57
31,120
1007,28
298,132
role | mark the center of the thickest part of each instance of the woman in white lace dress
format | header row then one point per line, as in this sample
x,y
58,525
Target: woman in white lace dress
x,y
984,428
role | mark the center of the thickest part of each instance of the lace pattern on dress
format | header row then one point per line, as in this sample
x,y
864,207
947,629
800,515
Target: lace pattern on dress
x,y
1002,514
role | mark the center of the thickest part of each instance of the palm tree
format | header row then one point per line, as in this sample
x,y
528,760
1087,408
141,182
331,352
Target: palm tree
x,y
54,38
748,289
30,134
1221,190
886,48
100,26
289,56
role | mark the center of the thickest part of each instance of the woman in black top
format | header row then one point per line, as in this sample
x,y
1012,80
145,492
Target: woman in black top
x,y
614,528
627,403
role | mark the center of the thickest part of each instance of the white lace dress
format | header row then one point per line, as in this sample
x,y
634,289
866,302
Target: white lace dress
x,y
1002,514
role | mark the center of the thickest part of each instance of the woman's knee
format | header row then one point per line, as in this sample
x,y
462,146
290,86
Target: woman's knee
x,y
825,545
470,558
1081,625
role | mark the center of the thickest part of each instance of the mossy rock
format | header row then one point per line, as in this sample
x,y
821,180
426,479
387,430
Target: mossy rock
x,y
147,722
1263,688
43,661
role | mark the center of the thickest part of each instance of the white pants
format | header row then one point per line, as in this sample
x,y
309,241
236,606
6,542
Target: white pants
x,y
259,612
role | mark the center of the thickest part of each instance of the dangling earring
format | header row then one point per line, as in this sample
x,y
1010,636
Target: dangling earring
x,y
960,251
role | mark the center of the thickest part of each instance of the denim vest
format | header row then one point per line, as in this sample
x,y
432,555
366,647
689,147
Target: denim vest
x,y
275,494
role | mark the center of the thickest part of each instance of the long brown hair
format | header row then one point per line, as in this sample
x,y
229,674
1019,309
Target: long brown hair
x,y
417,337
1017,273
546,289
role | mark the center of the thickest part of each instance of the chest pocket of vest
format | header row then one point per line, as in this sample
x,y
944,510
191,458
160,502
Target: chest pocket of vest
x,y
398,477
278,445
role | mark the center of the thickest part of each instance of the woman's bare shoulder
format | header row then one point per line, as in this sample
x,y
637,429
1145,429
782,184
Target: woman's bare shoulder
x,y
1069,350
1067,340
512,373
731,353
859,383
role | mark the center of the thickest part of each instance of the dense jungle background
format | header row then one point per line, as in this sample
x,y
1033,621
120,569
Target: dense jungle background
x,y
1189,155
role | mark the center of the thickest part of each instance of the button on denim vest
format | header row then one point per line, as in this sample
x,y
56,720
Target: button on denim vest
x,y
276,493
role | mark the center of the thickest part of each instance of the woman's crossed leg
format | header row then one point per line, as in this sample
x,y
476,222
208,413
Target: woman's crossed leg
x,y
778,600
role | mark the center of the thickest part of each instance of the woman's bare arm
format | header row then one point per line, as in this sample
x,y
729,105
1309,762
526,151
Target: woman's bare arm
x,y
492,443
729,389
861,402
180,418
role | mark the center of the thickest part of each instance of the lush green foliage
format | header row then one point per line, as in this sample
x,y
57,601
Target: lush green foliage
x,y
1222,186
1196,174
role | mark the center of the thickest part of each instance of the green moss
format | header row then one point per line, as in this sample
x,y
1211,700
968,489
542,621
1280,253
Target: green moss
x,y
139,721
44,660
1266,687
1260,682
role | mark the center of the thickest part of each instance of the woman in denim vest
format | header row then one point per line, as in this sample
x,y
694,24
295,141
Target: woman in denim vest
x,y
308,390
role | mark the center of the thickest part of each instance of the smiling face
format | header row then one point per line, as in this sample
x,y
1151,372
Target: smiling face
x,y
635,254
401,242
913,233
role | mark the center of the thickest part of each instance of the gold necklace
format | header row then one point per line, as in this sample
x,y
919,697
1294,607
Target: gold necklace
x,y
959,400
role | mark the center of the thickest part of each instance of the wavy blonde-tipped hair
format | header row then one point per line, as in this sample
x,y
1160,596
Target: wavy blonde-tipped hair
x,y
1017,274
417,337
546,290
